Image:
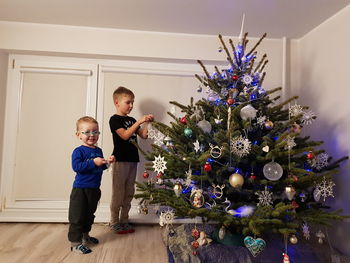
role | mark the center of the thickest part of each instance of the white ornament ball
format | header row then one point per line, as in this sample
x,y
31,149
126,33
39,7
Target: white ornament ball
x,y
273,171
204,125
248,112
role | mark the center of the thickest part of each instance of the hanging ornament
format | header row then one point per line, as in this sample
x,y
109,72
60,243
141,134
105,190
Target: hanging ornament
x,y
196,146
183,120
145,174
306,231
255,246
197,198
290,192
222,232
273,171
195,233
218,190
199,88
240,146
247,79
317,194
159,165
236,180
293,239
266,149
215,151
295,110
252,177
218,120
139,209
265,197
203,239
319,234
220,49
302,196
166,218
207,167
230,101
195,244
268,125
188,132
248,112
321,161
325,188
290,143
235,77
310,155
204,125
168,141
261,121
308,117
296,128
294,205
285,258
178,189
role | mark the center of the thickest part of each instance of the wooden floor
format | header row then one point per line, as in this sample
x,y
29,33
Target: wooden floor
x,y
47,243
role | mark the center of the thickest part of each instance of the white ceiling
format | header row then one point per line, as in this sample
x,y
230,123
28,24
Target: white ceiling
x,y
279,18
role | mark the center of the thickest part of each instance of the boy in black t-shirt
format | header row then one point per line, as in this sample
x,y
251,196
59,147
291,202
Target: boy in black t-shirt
x,y
124,130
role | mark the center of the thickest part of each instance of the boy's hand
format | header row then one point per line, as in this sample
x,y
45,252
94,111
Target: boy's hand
x,y
111,159
99,161
150,118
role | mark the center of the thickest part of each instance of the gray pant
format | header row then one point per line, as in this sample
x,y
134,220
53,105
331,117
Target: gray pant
x,y
82,206
123,189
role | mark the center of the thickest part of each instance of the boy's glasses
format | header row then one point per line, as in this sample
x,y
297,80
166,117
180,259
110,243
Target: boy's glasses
x,y
91,133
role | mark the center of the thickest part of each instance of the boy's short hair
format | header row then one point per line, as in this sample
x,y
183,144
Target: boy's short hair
x,y
85,119
122,91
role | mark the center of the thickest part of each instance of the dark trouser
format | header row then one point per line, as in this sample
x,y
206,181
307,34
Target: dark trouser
x,y
82,206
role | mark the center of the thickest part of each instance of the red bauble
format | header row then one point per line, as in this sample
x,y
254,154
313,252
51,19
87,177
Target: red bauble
x,y
183,120
194,253
253,177
207,167
235,77
195,233
195,244
145,174
310,155
230,101
294,204
159,175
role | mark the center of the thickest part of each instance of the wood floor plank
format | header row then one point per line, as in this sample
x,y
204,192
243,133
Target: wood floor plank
x,y
44,242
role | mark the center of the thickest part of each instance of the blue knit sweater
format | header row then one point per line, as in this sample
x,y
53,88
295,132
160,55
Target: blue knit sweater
x,y
88,175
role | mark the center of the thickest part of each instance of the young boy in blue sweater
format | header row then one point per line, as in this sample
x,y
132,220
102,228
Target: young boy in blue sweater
x,y
88,163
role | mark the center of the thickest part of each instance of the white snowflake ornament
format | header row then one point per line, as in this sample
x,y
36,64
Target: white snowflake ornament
x,y
264,197
295,110
247,79
325,188
240,146
166,218
321,161
159,164
289,142
308,117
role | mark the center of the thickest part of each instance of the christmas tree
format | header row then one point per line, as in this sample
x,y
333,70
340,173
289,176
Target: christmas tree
x,y
238,158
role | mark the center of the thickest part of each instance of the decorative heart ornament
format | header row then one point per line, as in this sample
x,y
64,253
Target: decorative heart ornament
x,y
255,246
266,148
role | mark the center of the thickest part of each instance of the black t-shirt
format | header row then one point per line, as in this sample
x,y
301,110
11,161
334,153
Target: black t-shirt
x,y
124,150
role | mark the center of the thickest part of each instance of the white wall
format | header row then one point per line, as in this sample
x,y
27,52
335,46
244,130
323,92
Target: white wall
x,y
321,78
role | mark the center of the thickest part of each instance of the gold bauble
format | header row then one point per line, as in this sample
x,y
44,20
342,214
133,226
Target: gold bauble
x,y
236,180
293,239
268,124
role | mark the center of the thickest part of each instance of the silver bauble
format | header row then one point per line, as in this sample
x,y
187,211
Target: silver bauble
x,y
273,171
248,112
204,125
